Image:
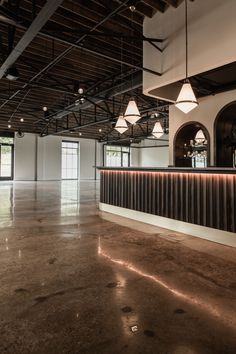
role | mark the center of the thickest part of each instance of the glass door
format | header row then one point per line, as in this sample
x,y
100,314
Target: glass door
x,y
6,162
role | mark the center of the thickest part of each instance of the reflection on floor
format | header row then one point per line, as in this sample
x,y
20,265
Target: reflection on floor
x,y
74,280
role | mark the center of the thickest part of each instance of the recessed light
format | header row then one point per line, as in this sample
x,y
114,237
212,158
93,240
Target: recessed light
x,y
80,134
100,130
22,120
9,126
45,108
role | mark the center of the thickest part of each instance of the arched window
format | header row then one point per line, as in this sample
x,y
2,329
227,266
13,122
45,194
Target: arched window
x,y
191,146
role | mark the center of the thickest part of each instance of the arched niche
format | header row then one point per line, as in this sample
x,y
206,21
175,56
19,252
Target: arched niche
x,y
183,144
225,136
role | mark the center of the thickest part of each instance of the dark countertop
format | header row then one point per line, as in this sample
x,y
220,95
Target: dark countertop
x,y
209,170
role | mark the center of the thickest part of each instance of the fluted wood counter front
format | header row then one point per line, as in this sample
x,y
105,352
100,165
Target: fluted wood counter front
x,y
204,197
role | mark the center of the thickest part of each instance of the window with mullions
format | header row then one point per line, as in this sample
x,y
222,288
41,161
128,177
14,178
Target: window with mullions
x,y
116,156
6,157
69,165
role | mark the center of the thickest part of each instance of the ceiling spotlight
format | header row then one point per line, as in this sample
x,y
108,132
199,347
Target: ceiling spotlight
x,y
45,108
80,134
22,120
12,73
132,8
100,130
80,100
81,91
20,134
9,126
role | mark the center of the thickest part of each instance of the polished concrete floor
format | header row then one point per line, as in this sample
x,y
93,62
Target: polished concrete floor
x,y
75,280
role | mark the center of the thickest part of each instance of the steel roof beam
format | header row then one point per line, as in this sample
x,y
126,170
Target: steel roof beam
x,y
45,13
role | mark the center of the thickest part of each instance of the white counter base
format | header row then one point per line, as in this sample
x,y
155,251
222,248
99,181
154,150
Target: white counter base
x,y
206,233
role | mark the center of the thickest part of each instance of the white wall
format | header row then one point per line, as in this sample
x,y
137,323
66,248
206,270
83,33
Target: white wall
x,y
211,30
205,113
24,159
152,155
49,158
40,158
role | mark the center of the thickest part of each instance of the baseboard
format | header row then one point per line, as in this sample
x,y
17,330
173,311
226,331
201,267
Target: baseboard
x,y
206,233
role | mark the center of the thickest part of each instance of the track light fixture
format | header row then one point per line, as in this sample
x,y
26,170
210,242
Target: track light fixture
x,y
81,98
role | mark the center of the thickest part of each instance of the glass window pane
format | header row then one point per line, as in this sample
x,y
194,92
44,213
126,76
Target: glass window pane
x,y
70,160
5,140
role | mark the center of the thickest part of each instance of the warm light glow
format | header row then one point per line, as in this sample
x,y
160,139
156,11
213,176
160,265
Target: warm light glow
x,y
205,305
121,125
200,137
132,114
157,130
45,108
22,120
186,100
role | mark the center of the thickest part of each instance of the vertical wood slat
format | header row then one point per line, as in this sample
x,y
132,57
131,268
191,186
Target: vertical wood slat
x,y
203,199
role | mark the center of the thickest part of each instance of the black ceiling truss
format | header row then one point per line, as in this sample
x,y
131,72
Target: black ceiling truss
x,y
80,47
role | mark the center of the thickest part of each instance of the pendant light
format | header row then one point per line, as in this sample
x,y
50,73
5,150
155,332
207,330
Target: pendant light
x,y
132,114
200,137
186,100
157,130
121,125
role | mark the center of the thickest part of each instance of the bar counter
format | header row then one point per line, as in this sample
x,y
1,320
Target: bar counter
x,y
205,197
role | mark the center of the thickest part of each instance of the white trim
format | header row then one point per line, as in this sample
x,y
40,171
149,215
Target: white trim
x,y
206,233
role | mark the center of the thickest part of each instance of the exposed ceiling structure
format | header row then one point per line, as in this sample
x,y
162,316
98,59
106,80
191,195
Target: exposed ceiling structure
x,y
56,47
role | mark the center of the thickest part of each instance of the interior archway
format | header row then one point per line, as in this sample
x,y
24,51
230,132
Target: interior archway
x,y
184,141
225,136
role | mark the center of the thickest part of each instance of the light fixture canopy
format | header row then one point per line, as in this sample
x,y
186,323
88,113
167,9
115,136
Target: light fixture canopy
x,y
132,114
186,100
121,125
157,130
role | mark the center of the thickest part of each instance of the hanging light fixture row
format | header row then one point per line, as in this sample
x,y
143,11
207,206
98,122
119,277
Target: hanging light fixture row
x,y
186,100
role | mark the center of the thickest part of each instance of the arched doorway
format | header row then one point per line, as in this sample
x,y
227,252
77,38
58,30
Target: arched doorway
x,y
225,136
191,146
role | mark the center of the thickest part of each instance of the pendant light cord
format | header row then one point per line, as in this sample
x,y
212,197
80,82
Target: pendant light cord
x,y
186,36
132,76
121,67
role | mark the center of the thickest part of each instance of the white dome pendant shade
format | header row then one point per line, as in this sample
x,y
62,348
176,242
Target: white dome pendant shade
x,y
157,130
186,100
121,125
132,114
